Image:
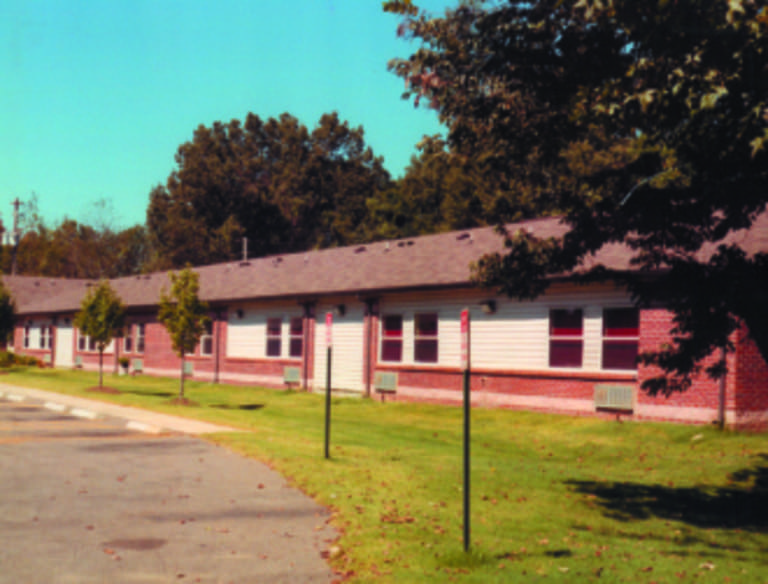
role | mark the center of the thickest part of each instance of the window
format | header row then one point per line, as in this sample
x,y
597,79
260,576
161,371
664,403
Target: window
x,y
128,340
392,338
274,333
425,338
621,333
206,340
140,338
297,336
27,331
566,342
85,343
45,337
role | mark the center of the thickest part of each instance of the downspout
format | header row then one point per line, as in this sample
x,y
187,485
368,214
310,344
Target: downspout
x,y
308,315
370,308
54,335
216,327
721,393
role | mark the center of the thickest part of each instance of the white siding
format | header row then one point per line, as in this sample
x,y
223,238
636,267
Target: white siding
x,y
247,336
65,337
348,354
515,337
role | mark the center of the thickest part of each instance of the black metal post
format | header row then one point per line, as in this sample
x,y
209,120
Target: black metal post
x,y
328,404
467,409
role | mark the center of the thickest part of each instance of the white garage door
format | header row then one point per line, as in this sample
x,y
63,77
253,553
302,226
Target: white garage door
x,y
347,361
64,346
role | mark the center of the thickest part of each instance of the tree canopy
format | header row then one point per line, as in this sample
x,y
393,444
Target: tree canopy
x,y
183,315
7,313
282,186
101,318
639,122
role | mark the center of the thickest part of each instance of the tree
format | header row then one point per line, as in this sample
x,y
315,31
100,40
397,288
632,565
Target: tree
x,y
644,123
101,318
275,182
183,315
7,314
436,194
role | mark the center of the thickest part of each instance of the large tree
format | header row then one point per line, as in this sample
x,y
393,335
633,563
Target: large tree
x,y
184,315
275,182
101,317
7,315
640,122
436,194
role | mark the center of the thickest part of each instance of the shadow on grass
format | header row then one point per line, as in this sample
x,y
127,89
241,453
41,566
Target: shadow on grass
x,y
149,393
744,505
246,407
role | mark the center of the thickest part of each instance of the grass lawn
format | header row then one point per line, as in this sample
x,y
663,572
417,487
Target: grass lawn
x,y
554,498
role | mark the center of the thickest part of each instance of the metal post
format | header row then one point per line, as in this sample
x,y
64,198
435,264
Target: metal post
x,y
466,366
467,408
328,403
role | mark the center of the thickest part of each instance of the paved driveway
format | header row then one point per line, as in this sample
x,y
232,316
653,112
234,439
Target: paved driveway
x,y
93,501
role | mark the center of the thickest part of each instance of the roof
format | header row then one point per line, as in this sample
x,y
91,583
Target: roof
x,y
430,261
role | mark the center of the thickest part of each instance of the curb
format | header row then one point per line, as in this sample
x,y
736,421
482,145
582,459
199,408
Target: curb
x,y
135,419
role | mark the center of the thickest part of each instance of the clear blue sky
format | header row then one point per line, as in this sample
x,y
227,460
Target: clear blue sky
x,y
98,94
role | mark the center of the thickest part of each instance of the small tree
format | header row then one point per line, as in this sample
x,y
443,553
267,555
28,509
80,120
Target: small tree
x,y
183,315
101,317
7,314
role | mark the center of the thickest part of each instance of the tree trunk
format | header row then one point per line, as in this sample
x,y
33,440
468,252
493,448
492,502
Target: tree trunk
x,y
181,378
101,366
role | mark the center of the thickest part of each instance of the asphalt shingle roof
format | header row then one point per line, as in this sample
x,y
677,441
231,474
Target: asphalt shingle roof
x,y
430,261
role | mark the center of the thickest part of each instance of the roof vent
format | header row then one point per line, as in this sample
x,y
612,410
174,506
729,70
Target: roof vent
x,y
400,244
386,247
463,236
276,261
244,263
360,249
306,258
409,244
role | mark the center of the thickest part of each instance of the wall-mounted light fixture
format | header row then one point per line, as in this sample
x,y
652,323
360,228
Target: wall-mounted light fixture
x,y
341,309
240,313
488,306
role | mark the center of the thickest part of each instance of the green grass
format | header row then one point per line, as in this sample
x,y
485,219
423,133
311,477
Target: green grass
x,y
554,498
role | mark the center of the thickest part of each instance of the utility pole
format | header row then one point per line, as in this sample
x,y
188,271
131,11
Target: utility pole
x,y
15,234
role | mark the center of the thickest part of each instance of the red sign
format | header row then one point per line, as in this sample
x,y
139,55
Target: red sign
x,y
465,338
328,329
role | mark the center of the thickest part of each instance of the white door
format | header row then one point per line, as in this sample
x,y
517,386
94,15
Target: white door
x,y
348,355
64,345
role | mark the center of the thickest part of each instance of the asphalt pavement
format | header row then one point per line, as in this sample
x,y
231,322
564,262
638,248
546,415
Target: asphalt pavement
x,y
89,496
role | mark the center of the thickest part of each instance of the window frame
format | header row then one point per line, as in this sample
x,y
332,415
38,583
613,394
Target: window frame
x,y
565,341
393,340
206,338
272,338
46,334
128,340
27,336
627,336
85,344
426,338
141,334
296,337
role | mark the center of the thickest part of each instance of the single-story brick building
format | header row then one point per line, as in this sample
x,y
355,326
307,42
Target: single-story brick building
x,y
396,328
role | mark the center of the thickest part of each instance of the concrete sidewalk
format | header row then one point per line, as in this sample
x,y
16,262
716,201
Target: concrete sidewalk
x,y
135,418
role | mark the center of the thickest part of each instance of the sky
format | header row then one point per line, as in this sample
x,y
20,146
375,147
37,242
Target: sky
x,y
97,95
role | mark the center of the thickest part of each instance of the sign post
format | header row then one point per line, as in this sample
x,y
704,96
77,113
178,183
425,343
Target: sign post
x,y
329,345
465,365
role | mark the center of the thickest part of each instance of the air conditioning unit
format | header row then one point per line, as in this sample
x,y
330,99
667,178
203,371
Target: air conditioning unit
x,y
615,397
385,382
